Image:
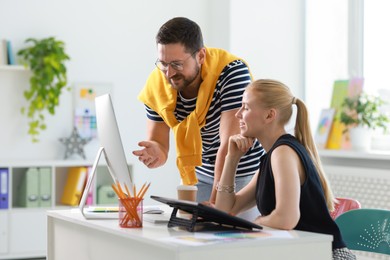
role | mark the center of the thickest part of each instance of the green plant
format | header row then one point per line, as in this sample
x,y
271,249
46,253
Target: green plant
x,y
363,110
46,59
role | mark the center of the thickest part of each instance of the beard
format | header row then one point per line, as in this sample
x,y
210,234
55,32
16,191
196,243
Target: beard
x,y
180,82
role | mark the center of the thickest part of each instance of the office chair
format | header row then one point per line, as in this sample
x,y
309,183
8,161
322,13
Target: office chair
x,y
343,205
366,230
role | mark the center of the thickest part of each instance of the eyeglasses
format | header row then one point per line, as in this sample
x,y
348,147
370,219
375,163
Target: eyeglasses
x,y
176,65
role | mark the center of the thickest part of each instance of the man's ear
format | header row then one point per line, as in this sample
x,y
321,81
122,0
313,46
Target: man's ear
x,y
202,55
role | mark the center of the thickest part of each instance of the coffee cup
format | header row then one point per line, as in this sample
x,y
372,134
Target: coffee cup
x,y
187,192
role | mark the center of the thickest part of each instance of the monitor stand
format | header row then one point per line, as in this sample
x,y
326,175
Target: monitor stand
x,y
91,177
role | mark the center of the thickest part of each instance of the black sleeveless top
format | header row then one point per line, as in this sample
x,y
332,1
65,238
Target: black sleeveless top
x,y
315,216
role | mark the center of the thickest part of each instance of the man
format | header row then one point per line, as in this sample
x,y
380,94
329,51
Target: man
x,y
195,91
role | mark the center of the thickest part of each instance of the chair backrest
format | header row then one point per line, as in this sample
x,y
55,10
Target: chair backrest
x,y
343,205
366,230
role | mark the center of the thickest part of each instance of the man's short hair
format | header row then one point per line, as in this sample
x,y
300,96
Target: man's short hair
x,y
181,30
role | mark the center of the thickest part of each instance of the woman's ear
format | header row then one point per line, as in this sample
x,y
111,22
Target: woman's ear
x,y
271,114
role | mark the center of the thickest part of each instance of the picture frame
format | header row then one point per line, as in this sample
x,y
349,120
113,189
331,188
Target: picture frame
x,y
84,106
324,127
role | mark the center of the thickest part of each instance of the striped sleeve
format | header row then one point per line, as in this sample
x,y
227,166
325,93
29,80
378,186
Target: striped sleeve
x,y
233,81
152,115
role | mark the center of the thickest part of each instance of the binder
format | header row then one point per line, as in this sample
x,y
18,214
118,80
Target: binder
x,y
45,197
3,52
29,189
10,54
91,192
4,188
74,186
106,195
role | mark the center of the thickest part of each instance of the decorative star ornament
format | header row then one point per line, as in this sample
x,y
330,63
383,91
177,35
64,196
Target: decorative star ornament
x,y
74,144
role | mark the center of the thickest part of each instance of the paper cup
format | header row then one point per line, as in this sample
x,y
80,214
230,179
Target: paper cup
x,y
186,192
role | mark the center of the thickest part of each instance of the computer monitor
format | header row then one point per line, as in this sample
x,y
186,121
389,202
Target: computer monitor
x,y
112,148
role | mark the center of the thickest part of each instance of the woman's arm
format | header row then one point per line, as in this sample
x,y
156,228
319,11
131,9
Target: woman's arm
x,y
228,126
227,199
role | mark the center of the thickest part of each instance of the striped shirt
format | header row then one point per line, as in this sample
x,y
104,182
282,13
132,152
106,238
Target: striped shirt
x,y
227,96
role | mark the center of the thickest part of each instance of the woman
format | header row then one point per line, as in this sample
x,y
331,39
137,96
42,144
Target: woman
x,y
290,189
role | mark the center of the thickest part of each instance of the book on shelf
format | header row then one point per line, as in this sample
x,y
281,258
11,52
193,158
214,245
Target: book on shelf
x,y
106,195
10,54
4,188
35,188
74,186
3,52
91,192
28,191
45,197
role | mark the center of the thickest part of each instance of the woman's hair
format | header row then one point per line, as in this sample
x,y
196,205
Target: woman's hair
x,y
275,94
181,30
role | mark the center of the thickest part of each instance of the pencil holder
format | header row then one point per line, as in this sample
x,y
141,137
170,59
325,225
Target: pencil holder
x,y
130,212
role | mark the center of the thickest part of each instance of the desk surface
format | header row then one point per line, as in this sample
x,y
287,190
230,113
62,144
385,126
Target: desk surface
x,y
71,236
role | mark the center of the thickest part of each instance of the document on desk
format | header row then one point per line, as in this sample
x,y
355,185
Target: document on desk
x,y
156,215
205,238
152,214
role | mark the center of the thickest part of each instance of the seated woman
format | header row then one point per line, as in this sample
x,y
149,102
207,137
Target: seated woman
x,y
290,189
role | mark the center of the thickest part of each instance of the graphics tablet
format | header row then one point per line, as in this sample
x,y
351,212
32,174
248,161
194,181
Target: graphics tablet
x,y
202,214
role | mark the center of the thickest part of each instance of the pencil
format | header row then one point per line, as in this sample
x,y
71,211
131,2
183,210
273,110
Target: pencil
x,y
130,201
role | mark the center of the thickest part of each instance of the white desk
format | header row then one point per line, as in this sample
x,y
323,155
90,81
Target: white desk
x,y
70,236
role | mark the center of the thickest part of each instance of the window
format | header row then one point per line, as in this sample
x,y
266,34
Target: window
x,y
326,57
376,44
346,38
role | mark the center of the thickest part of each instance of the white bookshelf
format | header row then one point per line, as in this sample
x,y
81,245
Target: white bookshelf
x,y
13,68
22,229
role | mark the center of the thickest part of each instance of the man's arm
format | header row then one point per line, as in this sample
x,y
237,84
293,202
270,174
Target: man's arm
x,y
156,146
228,126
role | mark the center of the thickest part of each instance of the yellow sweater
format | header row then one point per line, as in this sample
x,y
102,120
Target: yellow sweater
x,y
159,95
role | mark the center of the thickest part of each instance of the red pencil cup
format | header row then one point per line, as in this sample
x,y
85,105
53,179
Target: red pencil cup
x,y
130,212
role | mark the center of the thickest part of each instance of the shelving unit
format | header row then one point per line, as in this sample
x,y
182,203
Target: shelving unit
x,y
22,229
13,68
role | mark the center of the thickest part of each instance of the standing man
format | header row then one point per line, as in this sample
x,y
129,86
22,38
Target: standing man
x,y
195,91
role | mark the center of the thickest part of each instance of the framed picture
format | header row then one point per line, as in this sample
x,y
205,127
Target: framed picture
x,y
84,106
324,126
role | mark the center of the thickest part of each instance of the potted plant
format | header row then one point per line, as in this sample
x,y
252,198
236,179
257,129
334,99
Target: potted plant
x,y
46,60
360,115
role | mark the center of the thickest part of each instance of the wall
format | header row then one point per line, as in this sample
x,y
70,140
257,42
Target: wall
x,y
270,35
112,41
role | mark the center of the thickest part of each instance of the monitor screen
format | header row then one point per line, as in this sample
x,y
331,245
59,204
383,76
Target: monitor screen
x,y
112,149
110,140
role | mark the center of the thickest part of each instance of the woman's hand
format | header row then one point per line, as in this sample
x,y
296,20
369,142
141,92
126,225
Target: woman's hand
x,y
239,145
208,203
